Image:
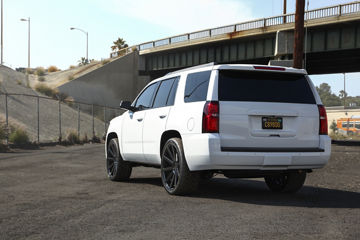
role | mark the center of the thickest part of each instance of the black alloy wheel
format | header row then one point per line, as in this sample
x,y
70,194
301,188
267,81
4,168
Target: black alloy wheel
x,y
176,177
170,167
117,169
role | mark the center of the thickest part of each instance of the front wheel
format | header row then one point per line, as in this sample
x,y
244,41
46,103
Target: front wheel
x,y
287,183
176,177
117,169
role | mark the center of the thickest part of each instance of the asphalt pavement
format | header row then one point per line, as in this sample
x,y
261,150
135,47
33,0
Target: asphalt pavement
x,y
63,193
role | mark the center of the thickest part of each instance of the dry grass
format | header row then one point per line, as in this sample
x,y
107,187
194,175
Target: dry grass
x,y
46,90
72,137
53,69
338,136
40,71
16,132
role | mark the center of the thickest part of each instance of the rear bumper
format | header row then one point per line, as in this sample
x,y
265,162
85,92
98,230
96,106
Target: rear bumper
x,y
203,152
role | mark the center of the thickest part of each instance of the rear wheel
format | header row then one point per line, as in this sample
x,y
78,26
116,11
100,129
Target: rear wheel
x,y
117,169
288,183
176,177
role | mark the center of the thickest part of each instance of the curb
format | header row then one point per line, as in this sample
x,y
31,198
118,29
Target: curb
x,y
345,143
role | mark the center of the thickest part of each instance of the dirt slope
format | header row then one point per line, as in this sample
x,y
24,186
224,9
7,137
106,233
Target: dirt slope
x,y
23,110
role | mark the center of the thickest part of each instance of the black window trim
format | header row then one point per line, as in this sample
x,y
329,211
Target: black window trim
x,y
208,80
156,92
152,97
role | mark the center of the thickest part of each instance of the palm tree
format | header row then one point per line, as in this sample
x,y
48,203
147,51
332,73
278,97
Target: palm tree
x,y
119,44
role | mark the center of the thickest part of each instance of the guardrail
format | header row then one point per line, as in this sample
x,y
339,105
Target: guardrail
x,y
84,118
338,10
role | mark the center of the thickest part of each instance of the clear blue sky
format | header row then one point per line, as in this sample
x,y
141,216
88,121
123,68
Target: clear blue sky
x,y
137,21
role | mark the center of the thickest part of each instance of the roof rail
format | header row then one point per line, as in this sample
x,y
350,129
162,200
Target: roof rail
x,y
193,68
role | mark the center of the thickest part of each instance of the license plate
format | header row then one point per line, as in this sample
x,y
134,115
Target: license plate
x,y
272,123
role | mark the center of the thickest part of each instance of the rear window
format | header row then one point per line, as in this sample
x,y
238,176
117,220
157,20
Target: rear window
x,y
264,87
197,86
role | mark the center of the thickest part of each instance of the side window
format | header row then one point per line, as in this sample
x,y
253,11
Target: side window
x,y
144,101
163,93
197,86
171,97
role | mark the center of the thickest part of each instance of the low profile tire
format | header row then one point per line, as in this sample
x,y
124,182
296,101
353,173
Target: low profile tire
x,y
117,169
286,183
175,174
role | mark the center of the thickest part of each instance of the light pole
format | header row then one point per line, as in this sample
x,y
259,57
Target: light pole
x,y
28,20
87,41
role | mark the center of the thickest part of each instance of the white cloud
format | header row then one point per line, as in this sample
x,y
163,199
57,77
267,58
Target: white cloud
x,y
181,16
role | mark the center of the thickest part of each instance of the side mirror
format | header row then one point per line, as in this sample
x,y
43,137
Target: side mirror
x,y
127,106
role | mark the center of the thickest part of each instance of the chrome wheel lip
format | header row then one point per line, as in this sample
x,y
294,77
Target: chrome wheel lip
x,y
170,167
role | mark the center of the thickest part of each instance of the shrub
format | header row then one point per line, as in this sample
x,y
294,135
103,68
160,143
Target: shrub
x,y
96,139
19,82
73,137
41,79
60,95
72,67
71,77
134,48
40,71
53,69
29,71
85,138
2,131
105,61
44,89
19,137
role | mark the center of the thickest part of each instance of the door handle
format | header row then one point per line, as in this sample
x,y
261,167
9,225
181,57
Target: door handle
x,y
139,119
162,116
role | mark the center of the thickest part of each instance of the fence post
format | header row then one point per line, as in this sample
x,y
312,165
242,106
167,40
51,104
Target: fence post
x,y
38,118
105,119
7,118
340,10
59,121
79,120
93,127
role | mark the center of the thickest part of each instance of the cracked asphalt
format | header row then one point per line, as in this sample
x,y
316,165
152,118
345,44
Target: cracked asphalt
x,y
63,193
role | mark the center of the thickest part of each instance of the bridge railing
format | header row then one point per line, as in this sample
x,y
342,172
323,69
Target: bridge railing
x,y
338,10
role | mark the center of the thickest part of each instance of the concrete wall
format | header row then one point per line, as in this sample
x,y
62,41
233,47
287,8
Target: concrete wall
x,y
108,85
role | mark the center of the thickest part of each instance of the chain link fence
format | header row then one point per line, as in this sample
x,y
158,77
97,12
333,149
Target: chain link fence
x,y
47,120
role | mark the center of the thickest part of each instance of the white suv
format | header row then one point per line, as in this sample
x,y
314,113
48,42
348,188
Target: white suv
x,y
235,120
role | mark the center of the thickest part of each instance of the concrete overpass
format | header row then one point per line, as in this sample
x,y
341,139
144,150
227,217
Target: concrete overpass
x,y
332,43
332,46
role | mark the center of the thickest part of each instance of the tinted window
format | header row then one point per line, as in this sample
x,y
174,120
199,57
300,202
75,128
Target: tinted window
x,y
357,125
163,93
144,101
197,86
344,125
171,98
264,87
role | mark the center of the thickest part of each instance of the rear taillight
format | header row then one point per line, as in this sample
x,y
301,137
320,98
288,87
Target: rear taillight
x,y
211,117
323,128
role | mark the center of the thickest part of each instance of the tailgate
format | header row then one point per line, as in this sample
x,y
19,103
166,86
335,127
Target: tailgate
x,y
267,111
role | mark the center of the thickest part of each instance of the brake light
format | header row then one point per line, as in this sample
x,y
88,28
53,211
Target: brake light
x,y
323,128
211,117
269,68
